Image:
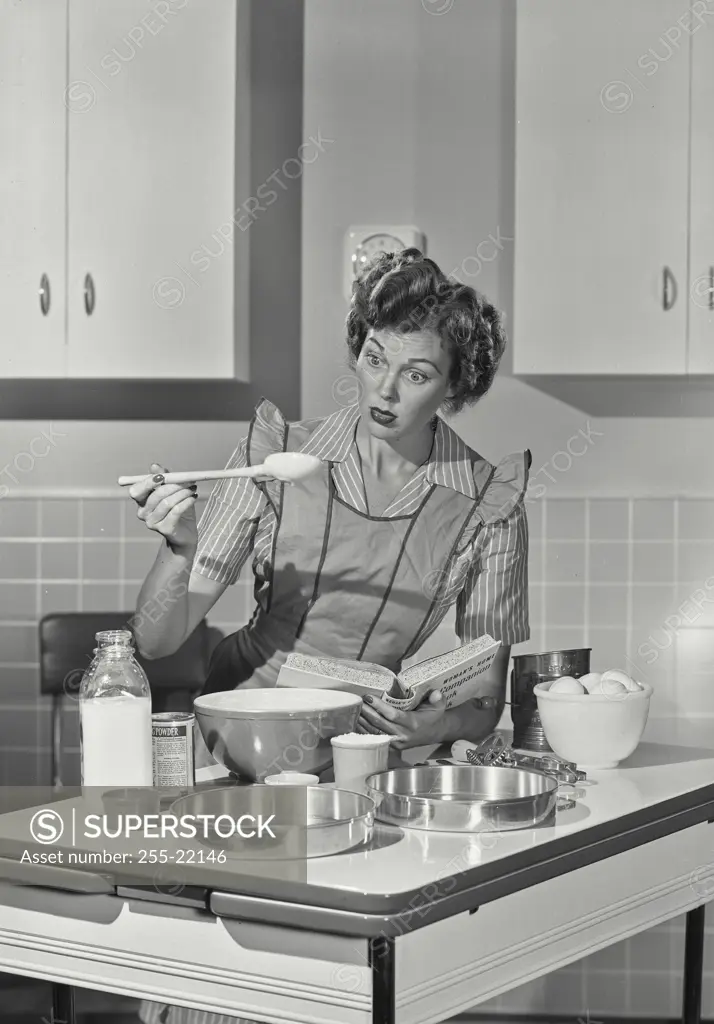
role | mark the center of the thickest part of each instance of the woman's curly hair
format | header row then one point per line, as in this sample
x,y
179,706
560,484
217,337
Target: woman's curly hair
x,y
405,292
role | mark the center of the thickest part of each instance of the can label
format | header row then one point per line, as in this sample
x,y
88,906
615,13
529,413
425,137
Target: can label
x,y
172,747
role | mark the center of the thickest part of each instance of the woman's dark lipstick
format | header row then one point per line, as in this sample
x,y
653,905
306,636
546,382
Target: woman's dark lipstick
x,y
380,416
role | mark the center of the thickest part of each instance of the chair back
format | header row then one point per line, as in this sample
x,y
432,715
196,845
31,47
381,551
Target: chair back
x,y
67,642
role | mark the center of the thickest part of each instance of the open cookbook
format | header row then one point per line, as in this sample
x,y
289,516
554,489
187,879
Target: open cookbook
x,y
454,673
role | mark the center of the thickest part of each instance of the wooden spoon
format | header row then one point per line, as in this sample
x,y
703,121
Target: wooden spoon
x,y
288,467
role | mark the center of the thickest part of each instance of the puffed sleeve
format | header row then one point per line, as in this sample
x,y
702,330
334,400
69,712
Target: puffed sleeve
x,y
494,598
228,525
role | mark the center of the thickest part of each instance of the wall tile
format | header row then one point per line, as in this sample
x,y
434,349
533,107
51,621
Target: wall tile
x,y
60,518
19,683
608,519
18,720
608,563
18,643
564,562
131,593
651,605
565,520
608,605
22,768
696,520
100,560
653,661
652,562
18,600
653,519
648,949
605,993
651,994
101,597
101,518
44,768
696,561
563,638
564,606
59,561
609,648
564,992
18,518
59,597
139,556
18,561
694,653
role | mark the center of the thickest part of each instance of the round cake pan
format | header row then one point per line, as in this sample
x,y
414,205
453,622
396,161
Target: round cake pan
x,y
309,821
463,798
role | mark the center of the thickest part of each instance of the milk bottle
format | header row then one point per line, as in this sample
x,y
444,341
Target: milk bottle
x,y
115,716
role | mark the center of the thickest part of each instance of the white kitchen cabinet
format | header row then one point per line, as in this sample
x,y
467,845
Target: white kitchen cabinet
x,y
131,111
602,184
701,228
32,188
151,185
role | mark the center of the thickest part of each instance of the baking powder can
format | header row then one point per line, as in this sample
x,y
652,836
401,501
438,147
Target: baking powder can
x,y
172,743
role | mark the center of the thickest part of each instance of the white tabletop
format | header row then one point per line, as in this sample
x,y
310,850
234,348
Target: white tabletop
x,y
674,758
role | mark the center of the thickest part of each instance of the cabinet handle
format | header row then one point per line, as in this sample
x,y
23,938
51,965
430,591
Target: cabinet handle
x,y
668,279
45,294
89,294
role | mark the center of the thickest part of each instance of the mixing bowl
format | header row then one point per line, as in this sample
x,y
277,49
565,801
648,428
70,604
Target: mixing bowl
x,y
255,733
595,730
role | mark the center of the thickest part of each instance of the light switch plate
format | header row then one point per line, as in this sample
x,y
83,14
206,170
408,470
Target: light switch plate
x,y
362,241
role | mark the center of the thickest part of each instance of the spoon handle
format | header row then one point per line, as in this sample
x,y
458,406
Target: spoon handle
x,y
188,477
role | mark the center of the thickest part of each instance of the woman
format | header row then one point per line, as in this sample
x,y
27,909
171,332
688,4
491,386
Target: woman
x,y
364,559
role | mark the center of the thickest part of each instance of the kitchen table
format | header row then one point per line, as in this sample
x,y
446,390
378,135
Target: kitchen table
x,y
416,928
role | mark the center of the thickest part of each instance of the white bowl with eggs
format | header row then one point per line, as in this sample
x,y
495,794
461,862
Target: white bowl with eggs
x,y
596,720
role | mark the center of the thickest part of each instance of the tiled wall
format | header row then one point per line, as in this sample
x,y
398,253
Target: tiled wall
x,y
632,579
61,555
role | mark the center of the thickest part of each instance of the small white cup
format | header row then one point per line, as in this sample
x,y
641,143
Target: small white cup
x,y
354,760
292,779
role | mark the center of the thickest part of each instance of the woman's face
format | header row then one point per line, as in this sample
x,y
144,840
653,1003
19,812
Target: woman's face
x,y
404,380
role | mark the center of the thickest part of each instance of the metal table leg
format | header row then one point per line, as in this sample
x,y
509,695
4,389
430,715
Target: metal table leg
x,y
693,963
382,962
63,1011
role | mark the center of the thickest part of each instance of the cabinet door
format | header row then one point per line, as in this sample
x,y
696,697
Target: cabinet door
x,y
601,187
152,241
701,218
32,187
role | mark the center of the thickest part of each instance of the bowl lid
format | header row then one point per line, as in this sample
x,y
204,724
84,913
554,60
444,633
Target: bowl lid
x,y
280,702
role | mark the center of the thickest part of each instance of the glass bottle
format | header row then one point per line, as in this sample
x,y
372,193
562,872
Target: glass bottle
x,y
115,715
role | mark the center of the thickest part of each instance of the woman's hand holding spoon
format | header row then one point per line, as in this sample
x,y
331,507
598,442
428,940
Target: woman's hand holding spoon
x,y
168,509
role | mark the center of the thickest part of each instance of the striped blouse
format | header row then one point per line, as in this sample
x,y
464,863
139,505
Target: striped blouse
x,y
491,596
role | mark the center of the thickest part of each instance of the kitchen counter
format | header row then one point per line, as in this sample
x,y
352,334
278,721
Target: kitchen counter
x,y
417,927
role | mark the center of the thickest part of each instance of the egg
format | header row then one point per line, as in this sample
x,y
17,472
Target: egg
x,y
619,676
610,688
566,684
590,679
